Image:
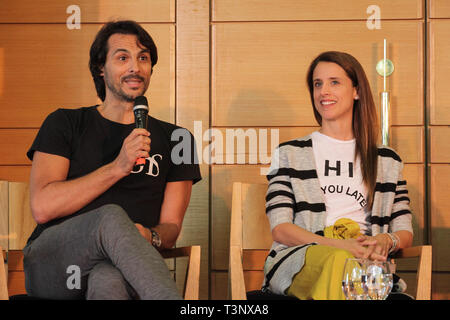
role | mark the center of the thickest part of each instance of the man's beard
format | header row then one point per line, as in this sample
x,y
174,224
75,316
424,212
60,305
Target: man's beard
x,y
120,94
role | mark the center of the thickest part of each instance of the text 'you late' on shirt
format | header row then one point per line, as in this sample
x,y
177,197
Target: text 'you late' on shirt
x,y
340,179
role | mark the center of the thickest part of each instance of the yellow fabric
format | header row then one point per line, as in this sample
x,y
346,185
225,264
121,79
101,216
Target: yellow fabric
x,y
343,228
321,275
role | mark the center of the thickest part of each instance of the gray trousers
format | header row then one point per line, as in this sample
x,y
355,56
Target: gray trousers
x,y
105,250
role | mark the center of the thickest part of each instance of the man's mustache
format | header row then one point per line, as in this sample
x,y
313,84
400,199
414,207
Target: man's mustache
x,y
133,77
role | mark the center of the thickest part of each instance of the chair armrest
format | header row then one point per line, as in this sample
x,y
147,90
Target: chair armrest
x,y
424,270
192,283
236,274
193,275
176,252
410,252
3,280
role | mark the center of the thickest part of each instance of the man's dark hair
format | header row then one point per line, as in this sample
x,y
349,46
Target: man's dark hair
x,y
99,49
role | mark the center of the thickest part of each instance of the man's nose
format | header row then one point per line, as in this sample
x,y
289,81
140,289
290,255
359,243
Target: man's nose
x,y
134,66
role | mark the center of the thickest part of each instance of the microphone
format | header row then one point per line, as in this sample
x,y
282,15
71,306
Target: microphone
x,y
140,111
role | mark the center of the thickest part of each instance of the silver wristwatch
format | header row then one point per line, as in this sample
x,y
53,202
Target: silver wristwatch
x,y
156,240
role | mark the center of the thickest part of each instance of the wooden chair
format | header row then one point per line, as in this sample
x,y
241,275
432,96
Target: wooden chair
x,y
14,203
192,282
15,281
251,239
3,280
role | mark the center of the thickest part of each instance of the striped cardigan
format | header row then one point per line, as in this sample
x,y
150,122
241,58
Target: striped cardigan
x,y
294,196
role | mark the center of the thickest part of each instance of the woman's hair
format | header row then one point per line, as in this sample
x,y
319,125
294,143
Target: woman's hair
x,y
99,49
365,120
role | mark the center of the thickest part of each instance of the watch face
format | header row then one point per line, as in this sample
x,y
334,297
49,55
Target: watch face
x,y
156,240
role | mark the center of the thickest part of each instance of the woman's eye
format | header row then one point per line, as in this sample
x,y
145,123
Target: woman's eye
x,y
122,58
317,84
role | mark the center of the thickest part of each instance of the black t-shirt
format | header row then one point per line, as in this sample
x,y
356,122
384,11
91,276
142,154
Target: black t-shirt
x,y
90,141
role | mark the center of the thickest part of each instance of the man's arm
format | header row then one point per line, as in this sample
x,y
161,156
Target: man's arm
x,y
52,196
175,203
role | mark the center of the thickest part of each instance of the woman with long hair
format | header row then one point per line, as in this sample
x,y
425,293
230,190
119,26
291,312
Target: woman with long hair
x,y
334,194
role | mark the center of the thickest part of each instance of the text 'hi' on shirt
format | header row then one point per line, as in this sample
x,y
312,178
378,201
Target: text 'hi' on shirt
x,y
90,141
340,180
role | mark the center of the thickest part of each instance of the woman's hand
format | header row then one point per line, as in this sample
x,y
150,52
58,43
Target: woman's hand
x,y
383,244
362,247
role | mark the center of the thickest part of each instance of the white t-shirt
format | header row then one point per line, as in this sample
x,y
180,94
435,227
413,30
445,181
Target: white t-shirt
x,y
340,180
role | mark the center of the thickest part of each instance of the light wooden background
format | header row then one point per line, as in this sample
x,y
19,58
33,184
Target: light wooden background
x,y
240,64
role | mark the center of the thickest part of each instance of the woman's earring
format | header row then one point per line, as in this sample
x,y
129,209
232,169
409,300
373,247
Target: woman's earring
x,y
357,97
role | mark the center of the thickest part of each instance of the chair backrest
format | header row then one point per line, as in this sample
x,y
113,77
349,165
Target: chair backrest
x,y
16,220
16,225
3,279
250,230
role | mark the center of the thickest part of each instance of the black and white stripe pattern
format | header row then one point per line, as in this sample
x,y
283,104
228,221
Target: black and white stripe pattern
x,y
294,196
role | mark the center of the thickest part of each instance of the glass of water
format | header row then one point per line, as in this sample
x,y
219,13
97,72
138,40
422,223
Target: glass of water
x,y
354,280
379,279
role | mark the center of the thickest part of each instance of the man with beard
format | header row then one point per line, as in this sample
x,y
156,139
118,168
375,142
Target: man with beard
x,y
98,211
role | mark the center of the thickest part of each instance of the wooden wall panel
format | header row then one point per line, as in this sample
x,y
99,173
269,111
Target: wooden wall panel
x,y
49,63
441,286
440,218
253,280
409,143
223,177
192,104
414,174
219,285
55,11
256,226
264,10
14,144
411,281
15,173
16,283
2,74
439,151
439,8
4,216
439,64
259,69
439,144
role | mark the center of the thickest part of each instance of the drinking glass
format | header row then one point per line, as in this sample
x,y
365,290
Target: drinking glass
x,y
379,279
354,279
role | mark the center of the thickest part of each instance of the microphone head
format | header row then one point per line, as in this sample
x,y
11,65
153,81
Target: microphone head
x,y
140,103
